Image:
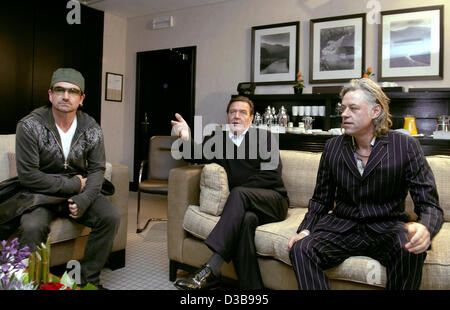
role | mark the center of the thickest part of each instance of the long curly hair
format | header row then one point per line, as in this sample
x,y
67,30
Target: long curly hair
x,y
374,95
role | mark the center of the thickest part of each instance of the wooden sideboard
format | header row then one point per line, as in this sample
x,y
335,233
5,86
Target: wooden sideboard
x,y
426,106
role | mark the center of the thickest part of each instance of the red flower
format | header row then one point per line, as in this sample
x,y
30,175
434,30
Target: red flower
x,y
52,286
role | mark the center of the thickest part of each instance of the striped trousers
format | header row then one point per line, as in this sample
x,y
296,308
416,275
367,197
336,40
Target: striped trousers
x,y
322,250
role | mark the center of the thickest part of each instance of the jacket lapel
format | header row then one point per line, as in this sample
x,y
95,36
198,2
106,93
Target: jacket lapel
x,y
349,157
379,151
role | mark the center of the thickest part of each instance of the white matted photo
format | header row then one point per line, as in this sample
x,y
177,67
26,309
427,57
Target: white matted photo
x,y
337,48
410,44
275,53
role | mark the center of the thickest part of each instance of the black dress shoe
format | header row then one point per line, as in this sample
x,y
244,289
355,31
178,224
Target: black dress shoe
x,y
202,279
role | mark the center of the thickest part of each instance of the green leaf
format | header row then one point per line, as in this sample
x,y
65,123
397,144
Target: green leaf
x,y
26,278
53,278
66,280
89,287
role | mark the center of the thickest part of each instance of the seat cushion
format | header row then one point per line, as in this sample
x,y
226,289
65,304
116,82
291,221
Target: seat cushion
x,y
270,239
63,229
154,186
359,269
198,223
213,189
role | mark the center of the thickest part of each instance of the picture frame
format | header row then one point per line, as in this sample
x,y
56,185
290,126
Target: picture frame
x,y
337,48
410,44
114,87
274,58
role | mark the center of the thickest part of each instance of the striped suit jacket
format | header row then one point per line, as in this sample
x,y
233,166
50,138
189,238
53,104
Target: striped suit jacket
x,y
343,198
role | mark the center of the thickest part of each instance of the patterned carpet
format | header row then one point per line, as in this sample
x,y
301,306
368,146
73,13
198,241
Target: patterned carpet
x,y
147,264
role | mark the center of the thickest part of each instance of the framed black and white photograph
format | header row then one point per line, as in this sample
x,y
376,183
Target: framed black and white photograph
x,y
410,44
337,48
275,53
114,87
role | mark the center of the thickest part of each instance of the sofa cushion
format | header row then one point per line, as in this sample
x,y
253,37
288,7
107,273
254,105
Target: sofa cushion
x,y
12,164
108,171
440,164
272,239
7,144
63,229
359,269
299,175
198,223
213,189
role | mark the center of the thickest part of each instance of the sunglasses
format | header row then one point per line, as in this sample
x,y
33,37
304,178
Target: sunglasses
x,y
60,91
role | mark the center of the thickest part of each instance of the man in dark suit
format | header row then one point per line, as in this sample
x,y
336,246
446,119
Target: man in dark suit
x,y
358,205
252,162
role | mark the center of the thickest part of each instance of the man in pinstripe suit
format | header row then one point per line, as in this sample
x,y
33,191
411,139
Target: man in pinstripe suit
x,y
358,203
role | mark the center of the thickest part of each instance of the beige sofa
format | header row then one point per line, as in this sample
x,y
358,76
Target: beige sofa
x,y
68,238
188,226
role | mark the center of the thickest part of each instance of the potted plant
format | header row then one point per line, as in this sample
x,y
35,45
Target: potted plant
x,y
298,87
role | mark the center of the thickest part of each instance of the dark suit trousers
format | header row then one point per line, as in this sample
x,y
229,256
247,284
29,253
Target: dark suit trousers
x,y
233,237
103,219
325,249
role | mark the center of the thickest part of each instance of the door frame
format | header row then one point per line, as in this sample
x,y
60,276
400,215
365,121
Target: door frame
x,y
192,52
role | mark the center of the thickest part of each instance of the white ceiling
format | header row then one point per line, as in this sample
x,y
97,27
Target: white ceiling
x,y
134,8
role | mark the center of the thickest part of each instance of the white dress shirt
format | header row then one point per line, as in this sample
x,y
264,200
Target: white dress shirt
x,y
237,140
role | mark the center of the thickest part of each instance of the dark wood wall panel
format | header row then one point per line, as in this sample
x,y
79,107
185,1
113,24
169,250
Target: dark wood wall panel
x,y
36,40
16,64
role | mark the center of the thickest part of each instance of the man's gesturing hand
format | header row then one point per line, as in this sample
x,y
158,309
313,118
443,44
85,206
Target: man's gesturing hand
x,y
180,127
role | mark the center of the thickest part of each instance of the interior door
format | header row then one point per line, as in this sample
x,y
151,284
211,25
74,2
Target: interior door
x,y
165,85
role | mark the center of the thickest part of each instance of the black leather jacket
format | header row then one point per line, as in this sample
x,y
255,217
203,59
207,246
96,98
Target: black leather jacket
x,y
41,166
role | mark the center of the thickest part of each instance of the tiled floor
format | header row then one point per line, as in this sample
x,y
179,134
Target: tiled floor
x,y
147,264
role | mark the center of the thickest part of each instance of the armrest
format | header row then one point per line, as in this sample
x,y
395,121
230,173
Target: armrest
x,y
121,180
184,190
